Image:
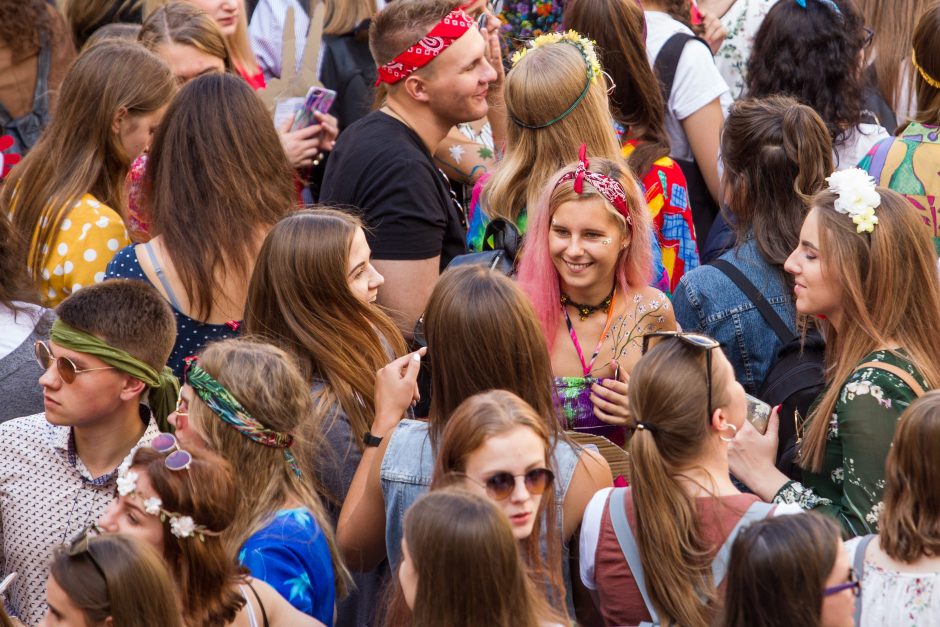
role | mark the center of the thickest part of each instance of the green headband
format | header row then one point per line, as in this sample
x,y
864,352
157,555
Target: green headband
x,y
164,387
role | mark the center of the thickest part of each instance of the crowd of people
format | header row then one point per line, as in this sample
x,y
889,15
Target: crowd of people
x,y
570,312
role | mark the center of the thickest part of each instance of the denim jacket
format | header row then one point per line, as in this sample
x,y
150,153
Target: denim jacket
x,y
706,301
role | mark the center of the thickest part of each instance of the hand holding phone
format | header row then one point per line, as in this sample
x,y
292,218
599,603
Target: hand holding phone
x,y
319,100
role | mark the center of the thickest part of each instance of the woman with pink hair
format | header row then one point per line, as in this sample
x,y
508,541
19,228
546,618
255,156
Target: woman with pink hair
x,y
586,269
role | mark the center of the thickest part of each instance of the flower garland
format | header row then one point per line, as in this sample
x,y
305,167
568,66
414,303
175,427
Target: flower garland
x,y
180,526
858,197
583,44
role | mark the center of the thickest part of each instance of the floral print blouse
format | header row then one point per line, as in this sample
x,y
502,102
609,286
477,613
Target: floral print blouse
x,y
861,430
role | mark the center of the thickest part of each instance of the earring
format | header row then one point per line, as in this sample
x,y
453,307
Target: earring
x,y
605,242
734,432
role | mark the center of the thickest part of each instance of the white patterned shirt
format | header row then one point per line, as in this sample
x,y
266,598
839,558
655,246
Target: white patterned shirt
x,y
47,497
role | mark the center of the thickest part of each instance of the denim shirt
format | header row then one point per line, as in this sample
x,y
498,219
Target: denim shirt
x,y
408,466
706,301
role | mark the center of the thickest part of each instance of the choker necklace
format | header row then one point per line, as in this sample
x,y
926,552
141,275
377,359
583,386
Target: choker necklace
x,y
586,310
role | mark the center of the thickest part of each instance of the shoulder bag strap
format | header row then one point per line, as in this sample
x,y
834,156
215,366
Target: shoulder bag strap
x,y
264,614
667,61
858,564
770,316
628,546
900,373
757,511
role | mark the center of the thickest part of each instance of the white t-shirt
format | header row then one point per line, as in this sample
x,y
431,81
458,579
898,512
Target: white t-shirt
x,y
697,82
14,329
857,144
591,531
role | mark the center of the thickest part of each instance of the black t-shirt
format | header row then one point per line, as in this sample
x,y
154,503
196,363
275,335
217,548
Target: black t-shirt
x,y
380,166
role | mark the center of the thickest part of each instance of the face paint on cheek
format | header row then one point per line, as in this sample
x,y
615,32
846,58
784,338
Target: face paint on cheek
x,y
606,242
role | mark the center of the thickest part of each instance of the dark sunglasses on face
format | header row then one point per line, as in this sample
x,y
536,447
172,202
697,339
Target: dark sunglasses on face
x,y
66,367
501,485
692,339
852,584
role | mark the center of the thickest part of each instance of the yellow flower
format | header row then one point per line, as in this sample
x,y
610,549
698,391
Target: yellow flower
x,y
583,44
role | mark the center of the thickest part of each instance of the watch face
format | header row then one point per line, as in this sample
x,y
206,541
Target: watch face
x,y
371,440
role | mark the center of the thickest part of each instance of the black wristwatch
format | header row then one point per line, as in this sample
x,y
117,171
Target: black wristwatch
x,y
370,440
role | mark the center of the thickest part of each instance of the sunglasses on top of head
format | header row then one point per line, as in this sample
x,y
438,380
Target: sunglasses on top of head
x,y
697,340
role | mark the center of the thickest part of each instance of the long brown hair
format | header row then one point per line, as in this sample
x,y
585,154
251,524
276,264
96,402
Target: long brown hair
x,y
79,153
541,86
778,571
217,178
617,26
205,571
299,300
187,24
927,49
777,154
890,297
269,385
486,415
676,557
117,577
483,335
909,527
15,284
890,49
453,529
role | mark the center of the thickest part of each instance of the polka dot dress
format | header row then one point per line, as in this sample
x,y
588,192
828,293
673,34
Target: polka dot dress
x,y
89,236
191,335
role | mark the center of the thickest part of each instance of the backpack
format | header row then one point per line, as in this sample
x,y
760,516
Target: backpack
x,y
796,376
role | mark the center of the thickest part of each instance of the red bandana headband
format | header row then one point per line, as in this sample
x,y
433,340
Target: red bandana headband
x,y
609,188
446,32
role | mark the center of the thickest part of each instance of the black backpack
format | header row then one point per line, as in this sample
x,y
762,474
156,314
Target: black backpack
x,y
796,376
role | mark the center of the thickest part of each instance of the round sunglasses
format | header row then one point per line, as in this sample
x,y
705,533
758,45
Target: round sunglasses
x,y
66,367
178,459
501,485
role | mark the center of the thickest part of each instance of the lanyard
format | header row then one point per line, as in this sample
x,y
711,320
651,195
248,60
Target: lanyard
x,y
600,342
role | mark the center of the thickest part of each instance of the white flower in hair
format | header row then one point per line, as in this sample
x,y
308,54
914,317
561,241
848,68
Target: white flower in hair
x,y
858,197
127,483
153,505
182,526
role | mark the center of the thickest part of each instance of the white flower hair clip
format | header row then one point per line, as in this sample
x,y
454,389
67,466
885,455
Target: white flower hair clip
x,y
180,526
858,197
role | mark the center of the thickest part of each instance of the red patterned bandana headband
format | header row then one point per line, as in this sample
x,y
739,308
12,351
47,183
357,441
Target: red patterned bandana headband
x,y
446,32
608,187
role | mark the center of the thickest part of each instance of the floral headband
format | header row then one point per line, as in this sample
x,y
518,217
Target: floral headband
x,y
610,188
224,405
180,526
858,197
585,47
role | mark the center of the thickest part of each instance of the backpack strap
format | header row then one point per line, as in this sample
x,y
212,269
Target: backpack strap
x,y
667,61
900,373
858,564
757,511
618,517
767,312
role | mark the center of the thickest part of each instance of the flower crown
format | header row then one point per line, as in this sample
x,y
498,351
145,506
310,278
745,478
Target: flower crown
x,y
858,197
583,44
180,526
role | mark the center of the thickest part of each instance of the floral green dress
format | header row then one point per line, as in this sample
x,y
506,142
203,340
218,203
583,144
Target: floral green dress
x,y
861,430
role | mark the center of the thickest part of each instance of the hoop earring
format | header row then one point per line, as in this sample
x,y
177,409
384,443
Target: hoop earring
x,y
734,432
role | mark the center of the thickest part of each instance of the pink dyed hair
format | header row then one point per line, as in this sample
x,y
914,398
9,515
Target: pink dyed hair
x,y
537,275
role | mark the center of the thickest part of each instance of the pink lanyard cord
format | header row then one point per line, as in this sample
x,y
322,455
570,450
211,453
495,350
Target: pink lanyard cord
x,y
600,342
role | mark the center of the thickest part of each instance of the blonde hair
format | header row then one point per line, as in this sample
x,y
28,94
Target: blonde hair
x,y
543,85
265,380
890,297
342,16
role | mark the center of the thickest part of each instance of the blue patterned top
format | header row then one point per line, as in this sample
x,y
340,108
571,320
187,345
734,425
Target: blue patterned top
x,y
292,556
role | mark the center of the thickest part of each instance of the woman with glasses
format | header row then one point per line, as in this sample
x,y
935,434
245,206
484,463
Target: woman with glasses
x,y
900,567
789,571
655,551
585,270
248,402
496,445
181,503
110,580
454,529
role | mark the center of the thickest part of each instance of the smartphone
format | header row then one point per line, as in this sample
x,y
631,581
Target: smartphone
x,y
319,99
6,582
758,413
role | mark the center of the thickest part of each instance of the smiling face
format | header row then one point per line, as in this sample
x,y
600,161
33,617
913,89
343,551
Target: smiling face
x,y
126,514
456,83
187,62
585,242
516,452
817,293
224,12
364,280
